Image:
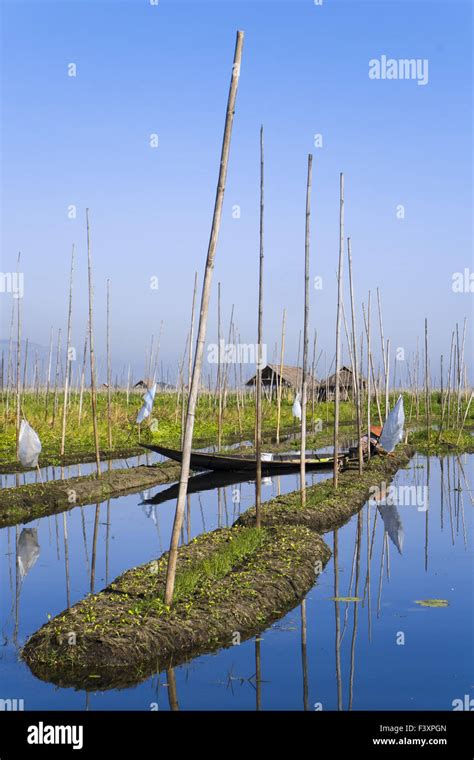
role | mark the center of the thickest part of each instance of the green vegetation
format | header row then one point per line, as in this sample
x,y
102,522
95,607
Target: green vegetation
x,y
165,424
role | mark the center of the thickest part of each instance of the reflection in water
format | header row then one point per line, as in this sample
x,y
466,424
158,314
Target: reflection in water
x,y
28,550
351,650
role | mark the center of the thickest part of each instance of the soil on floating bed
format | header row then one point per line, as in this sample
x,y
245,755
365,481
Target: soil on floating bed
x,y
125,633
26,503
327,509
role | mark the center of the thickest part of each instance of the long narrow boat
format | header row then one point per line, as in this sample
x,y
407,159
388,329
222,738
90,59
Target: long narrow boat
x,y
279,463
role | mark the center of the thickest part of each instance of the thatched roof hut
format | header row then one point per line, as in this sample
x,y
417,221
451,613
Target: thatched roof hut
x,y
327,388
272,374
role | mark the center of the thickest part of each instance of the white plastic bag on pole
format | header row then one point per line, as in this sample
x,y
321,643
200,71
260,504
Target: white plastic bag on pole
x,y
392,431
148,400
297,407
30,445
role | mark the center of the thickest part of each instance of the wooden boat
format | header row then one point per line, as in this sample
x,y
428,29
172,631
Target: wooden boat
x,y
278,464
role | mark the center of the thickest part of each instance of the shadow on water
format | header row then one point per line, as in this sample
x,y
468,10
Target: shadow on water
x,y
359,640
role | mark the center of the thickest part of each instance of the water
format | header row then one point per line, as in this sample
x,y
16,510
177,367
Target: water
x,y
349,655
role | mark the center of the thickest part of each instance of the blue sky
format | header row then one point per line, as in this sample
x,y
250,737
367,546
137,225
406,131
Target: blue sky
x,y
165,69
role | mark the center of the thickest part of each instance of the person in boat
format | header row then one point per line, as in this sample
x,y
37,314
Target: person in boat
x,y
375,433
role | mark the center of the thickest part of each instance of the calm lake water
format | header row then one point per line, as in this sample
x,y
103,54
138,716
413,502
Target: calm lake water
x,y
383,652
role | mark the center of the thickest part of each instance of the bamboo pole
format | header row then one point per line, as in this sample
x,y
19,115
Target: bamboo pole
x,y
109,374
25,367
201,337
387,376
10,362
56,379
91,350
18,370
383,349
369,394
338,329
48,377
258,378
427,409
83,373
219,370
355,366
304,388
68,360
280,379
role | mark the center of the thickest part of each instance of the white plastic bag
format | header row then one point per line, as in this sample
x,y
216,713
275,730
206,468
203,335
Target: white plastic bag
x,y
392,431
297,407
148,399
30,445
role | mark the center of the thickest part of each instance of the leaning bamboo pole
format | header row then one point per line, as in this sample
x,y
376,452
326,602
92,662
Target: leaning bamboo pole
x,y
355,365
68,358
338,330
91,350
304,379
258,378
201,337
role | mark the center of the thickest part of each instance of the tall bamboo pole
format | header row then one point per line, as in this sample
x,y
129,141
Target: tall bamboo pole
x,y
201,337
427,409
219,369
83,373
91,350
258,378
369,356
304,388
338,329
68,360
387,375
280,379
109,373
356,366
18,369
383,349
56,379
48,377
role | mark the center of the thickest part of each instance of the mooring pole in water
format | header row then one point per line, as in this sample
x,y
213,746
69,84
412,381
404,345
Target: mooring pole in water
x,y
258,377
204,310
304,379
91,349
338,329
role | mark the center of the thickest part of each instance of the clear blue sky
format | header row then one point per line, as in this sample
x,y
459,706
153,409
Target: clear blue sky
x,y
165,69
